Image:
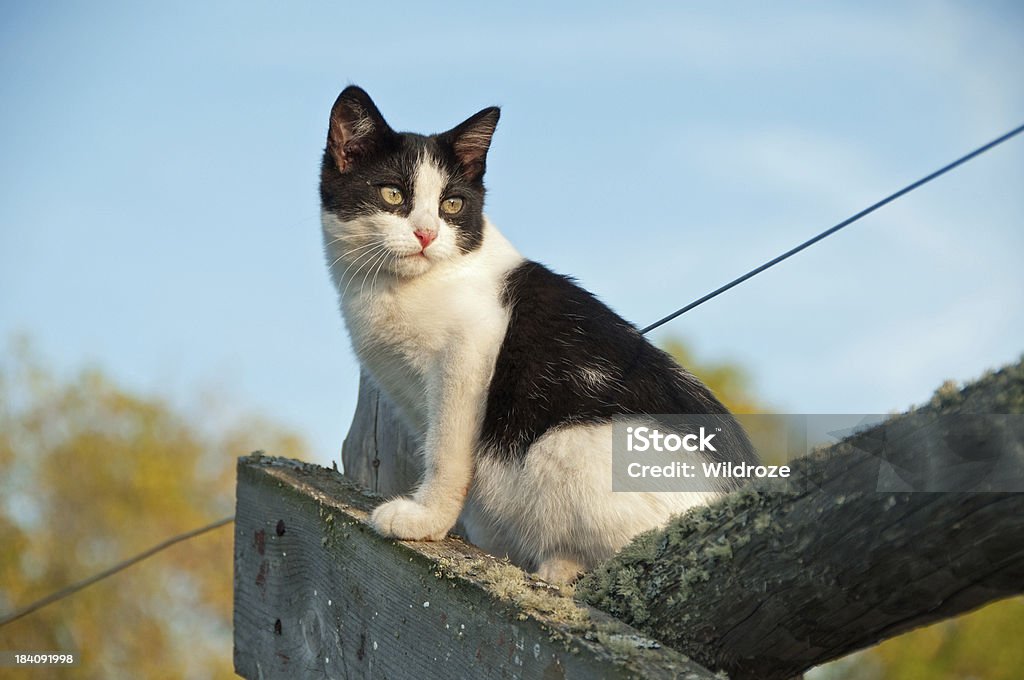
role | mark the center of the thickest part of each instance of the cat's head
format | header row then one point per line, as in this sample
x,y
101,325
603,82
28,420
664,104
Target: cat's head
x,y
398,203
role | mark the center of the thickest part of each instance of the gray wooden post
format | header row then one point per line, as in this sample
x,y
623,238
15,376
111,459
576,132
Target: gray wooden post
x,y
379,452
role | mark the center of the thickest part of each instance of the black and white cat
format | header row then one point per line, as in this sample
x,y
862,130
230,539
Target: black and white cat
x,y
508,373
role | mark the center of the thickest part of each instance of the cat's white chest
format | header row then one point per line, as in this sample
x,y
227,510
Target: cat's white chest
x,y
406,333
397,345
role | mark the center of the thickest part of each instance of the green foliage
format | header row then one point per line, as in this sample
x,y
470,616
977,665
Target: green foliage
x,y
91,474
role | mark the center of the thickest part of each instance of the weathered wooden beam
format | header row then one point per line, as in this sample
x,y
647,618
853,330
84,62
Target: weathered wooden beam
x,y
766,584
319,594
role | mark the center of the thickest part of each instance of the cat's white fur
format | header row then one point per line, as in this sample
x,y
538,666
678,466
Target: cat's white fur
x,y
428,326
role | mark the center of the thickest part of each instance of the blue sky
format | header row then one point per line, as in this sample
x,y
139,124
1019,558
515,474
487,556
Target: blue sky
x,y
159,167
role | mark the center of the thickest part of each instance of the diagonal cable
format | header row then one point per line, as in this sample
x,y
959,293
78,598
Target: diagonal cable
x,y
831,230
120,566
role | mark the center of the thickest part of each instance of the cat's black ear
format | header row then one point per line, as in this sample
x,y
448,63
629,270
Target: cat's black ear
x,y
471,139
357,127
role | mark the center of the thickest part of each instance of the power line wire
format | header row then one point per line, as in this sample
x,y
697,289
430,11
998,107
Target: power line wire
x,y
828,232
120,566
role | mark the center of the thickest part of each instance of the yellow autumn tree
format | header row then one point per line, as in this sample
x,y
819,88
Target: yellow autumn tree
x,y
731,383
728,380
91,473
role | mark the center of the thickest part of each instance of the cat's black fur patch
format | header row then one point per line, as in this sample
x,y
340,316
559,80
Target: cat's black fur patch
x,y
391,158
557,330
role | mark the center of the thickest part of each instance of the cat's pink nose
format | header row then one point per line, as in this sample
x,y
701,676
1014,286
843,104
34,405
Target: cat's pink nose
x,y
425,237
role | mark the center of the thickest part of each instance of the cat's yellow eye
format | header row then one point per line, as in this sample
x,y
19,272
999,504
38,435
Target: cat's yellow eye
x,y
392,195
452,205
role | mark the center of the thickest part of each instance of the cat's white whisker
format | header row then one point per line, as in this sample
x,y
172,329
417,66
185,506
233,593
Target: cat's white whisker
x,y
354,263
353,238
373,282
362,258
346,237
379,258
354,250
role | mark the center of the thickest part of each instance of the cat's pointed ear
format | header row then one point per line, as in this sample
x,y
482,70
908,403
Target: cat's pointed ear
x,y
471,139
356,129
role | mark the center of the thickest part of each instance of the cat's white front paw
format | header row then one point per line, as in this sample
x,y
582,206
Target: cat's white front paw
x,y
406,519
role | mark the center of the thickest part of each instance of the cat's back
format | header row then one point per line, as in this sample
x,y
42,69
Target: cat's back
x,y
567,358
